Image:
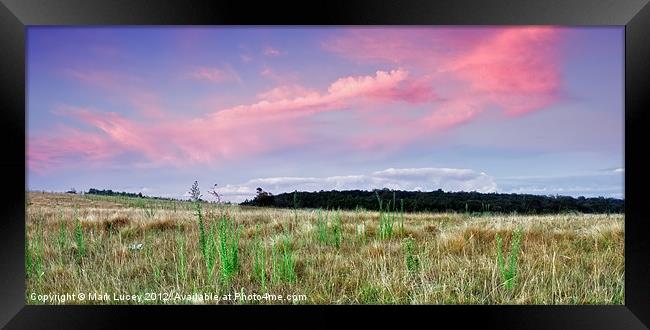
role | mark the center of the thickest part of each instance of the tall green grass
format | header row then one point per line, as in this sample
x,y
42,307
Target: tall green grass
x,y
29,262
210,251
387,218
79,239
149,211
34,254
283,262
62,239
295,207
259,260
229,235
401,217
360,232
326,234
337,230
182,259
321,227
509,272
207,244
412,258
202,233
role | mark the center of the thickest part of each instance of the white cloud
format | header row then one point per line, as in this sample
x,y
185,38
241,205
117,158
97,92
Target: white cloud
x,y
606,182
426,179
586,191
590,174
270,51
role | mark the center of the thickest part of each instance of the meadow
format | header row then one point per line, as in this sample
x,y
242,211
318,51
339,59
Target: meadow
x,y
145,251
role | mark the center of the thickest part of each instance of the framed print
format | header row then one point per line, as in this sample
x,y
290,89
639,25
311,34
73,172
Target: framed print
x,y
219,160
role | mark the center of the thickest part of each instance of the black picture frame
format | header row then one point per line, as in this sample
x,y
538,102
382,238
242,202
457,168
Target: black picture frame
x,y
16,15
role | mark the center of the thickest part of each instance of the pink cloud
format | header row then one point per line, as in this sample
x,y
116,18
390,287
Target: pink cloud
x,y
398,130
367,85
231,133
215,75
412,47
453,113
284,92
46,153
412,90
147,103
381,45
340,93
126,133
121,86
516,70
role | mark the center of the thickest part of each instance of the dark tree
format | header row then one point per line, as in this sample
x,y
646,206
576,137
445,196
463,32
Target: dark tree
x,y
195,193
93,191
263,198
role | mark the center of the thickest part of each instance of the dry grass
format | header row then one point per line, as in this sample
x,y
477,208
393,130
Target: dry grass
x,y
565,259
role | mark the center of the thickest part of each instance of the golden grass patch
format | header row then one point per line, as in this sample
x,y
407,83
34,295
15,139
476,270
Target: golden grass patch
x,y
138,245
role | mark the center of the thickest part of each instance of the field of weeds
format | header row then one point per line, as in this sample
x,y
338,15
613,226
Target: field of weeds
x,y
110,250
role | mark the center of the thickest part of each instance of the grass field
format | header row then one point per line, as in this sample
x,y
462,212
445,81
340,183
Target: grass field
x,y
130,250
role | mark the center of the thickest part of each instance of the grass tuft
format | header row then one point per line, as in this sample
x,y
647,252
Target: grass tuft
x,y
412,258
182,259
79,239
229,235
509,272
337,231
328,234
259,260
284,265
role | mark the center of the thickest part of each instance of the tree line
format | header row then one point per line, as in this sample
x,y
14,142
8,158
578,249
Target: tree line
x,y
109,192
438,201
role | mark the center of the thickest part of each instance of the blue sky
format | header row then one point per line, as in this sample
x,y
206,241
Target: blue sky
x,y
501,109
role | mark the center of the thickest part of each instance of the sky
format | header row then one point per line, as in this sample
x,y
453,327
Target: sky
x,y
508,109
